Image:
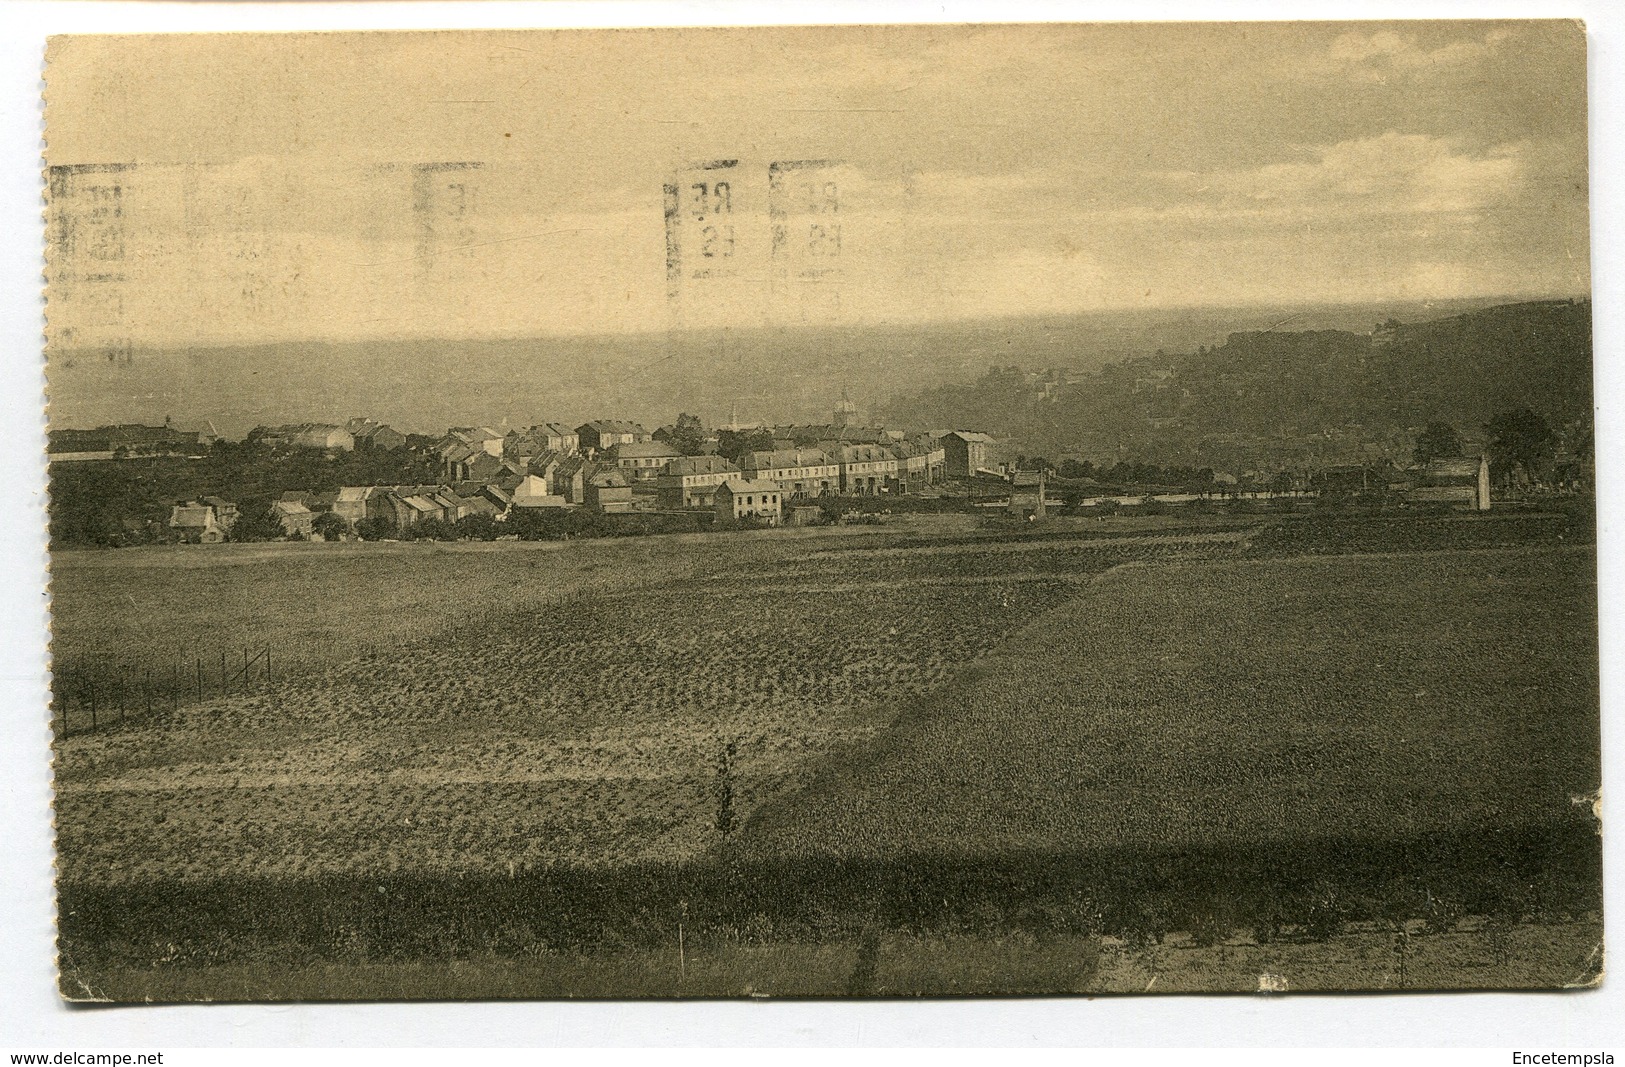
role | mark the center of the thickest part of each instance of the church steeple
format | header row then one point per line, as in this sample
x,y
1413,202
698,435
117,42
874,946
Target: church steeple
x,y
846,412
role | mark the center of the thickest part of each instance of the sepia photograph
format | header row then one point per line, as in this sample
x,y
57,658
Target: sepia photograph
x,y
822,512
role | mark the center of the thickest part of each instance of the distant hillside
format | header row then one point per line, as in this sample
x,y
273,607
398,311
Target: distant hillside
x,y
765,375
1273,395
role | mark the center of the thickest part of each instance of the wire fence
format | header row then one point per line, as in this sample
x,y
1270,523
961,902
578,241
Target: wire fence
x,y
95,693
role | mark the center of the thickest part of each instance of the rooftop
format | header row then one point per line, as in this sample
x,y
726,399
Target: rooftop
x,y
751,485
685,465
646,450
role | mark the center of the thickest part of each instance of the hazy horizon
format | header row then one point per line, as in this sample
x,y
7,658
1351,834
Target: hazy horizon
x,y
1297,307
785,374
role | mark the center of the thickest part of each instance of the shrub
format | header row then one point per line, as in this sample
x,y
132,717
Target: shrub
x,y
1332,501
1150,505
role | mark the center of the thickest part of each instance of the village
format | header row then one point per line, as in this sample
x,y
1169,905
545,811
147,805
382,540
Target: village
x,y
605,466
494,483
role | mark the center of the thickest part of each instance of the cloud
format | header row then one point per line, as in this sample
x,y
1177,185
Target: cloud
x,y
1377,55
988,170
1386,175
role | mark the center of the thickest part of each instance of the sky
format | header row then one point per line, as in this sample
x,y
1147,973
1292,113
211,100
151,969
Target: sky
x,y
246,188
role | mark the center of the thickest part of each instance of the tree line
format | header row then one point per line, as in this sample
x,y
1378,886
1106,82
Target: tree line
x,y
1232,404
1520,443
128,502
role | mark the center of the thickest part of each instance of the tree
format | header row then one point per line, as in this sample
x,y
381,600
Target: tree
x,y
429,530
331,527
375,528
536,524
1519,438
835,508
256,522
687,435
1439,441
732,444
477,528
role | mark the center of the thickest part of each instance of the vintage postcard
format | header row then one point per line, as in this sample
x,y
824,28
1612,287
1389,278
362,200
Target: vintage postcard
x,y
842,511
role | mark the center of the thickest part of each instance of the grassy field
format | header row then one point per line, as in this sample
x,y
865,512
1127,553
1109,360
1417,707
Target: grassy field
x,y
319,604
1220,703
941,736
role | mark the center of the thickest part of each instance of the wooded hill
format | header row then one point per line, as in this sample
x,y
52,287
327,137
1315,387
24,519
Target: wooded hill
x,y
1276,397
790,373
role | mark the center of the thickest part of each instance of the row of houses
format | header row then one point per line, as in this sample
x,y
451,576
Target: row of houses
x,y
461,443
1462,483
130,441
1459,481
309,435
368,433
209,520
850,470
109,442
803,460
605,465
732,495
357,433
871,459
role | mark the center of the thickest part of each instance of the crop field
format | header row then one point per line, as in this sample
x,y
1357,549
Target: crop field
x,y
586,729
590,733
969,736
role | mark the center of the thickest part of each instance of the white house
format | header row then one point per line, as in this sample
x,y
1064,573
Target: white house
x,y
742,498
